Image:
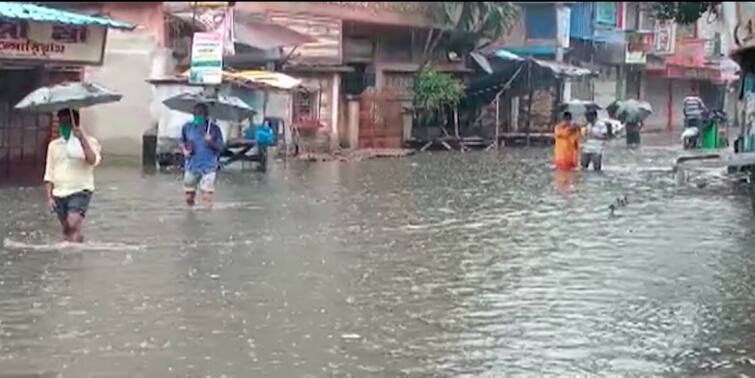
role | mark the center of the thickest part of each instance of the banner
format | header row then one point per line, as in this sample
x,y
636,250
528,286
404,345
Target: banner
x,y
563,15
206,59
23,40
218,20
665,38
637,47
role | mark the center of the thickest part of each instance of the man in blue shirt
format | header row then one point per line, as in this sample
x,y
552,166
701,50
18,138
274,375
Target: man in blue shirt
x,y
201,142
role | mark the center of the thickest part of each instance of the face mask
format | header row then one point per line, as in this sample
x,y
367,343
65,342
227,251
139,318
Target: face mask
x,y
200,119
65,130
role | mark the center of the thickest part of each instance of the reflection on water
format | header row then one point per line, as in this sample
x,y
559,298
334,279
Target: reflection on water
x,y
444,264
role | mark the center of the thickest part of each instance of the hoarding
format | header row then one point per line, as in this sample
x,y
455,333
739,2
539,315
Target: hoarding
x,y
665,38
206,59
52,43
637,47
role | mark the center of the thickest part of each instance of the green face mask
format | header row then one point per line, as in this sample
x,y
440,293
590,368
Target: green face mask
x,y
200,119
65,130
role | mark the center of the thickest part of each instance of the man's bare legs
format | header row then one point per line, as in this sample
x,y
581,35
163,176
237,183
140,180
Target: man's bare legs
x,y
190,198
72,228
207,199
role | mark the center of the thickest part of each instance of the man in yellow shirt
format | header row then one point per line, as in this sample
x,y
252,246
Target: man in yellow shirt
x,y
69,175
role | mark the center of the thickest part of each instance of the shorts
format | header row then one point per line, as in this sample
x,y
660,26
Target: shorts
x,y
591,157
206,182
77,202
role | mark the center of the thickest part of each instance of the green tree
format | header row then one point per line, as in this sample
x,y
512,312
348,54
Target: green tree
x,y
467,26
434,93
682,12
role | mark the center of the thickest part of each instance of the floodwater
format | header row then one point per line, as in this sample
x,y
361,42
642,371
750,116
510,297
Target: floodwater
x,y
443,264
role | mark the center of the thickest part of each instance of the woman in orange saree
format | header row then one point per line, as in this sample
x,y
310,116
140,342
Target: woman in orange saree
x,y
566,149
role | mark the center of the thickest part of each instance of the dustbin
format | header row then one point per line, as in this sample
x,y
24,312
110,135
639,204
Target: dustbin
x,y
710,136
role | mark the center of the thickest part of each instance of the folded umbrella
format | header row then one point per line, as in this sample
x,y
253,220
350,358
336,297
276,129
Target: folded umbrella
x,y
72,95
220,107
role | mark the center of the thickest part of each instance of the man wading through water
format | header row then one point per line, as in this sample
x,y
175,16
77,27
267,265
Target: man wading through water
x,y
69,174
201,142
595,135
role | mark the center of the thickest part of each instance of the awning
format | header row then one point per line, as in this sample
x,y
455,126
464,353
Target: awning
x,y
519,76
271,79
33,12
256,34
532,50
564,70
675,71
558,69
256,80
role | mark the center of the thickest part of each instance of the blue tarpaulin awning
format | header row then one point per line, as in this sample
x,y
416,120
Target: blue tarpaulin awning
x,y
532,50
38,13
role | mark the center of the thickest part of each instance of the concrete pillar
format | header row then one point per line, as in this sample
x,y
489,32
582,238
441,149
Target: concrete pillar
x,y
353,122
621,78
335,115
407,120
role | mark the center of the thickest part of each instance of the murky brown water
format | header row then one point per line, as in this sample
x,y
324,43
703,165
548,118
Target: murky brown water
x,y
436,265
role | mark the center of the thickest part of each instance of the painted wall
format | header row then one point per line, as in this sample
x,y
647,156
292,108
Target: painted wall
x,y
130,59
389,13
518,34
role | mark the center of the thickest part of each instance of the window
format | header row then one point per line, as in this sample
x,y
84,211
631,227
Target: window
x,y
306,105
647,22
540,21
605,13
632,16
686,30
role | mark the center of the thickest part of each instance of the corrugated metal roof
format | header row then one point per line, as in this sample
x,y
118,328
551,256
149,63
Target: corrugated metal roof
x,y
33,12
251,79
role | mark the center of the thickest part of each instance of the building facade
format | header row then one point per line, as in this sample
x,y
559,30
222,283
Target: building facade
x,y
60,51
687,60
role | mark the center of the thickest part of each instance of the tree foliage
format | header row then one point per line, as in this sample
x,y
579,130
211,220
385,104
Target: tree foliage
x,y
481,19
469,25
434,92
682,12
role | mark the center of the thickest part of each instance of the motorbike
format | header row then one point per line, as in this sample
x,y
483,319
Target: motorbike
x,y
694,128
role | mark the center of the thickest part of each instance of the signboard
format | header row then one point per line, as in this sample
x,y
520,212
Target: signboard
x,y
206,59
637,47
665,38
564,24
218,20
209,4
51,43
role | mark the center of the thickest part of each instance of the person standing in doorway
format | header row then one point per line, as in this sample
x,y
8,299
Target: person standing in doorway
x,y
566,148
69,174
201,142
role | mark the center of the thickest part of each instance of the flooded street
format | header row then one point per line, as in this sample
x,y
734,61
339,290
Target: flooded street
x,y
443,264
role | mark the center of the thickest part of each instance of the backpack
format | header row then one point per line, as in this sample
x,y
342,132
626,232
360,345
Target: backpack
x,y
263,135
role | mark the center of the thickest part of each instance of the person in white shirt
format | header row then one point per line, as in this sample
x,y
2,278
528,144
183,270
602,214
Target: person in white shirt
x,y
69,174
594,135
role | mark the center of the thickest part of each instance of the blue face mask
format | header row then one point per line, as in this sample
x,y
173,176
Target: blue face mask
x,y
199,119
